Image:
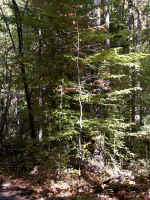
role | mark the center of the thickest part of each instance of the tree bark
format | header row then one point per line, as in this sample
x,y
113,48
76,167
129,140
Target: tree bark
x,y
97,12
98,155
40,134
107,20
22,68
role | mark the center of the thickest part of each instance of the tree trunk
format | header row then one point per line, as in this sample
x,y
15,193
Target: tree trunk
x,y
98,155
97,12
132,69
107,20
40,134
22,68
138,109
4,117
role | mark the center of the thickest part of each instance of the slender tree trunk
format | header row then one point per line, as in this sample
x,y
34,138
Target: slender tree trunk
x,y
98,157
22,68
131,70
123,9
139,29
61,102
138,108
131,21
97,12
147,23
40,87
4,116
107,20
79,97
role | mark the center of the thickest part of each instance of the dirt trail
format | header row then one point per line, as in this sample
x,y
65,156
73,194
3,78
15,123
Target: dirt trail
x,y
13,192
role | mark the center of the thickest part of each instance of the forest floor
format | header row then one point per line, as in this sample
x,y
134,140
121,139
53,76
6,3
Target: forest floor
x,y
133,184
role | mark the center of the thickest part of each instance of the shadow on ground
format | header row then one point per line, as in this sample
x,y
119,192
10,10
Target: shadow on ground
x,y
10,192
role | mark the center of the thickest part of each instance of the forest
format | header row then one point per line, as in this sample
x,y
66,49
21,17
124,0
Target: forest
x,y
75,99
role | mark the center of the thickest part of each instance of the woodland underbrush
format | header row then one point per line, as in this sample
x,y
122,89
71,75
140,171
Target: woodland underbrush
x,y
50,177
131,183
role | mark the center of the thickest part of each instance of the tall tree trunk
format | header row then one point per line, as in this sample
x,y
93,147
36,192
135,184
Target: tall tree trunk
x,y
131,70
107,20
131,20
22,68
147,24
123,9
97,12
98,155
138,107
40,135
